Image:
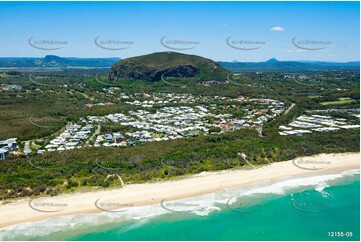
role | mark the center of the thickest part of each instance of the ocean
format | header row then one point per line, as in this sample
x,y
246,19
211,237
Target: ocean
x,y
325,207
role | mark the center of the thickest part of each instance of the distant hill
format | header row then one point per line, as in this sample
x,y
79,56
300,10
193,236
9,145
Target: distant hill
x,y
275,65
273,60
171,64
52,61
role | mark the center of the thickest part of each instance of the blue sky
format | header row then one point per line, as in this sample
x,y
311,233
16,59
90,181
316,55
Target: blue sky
x,y
204,25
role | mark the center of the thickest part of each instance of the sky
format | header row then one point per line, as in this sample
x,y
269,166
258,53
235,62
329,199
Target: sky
x,y
222,31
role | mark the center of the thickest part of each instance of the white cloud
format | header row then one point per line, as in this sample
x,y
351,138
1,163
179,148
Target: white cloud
x,y
277,28
293,51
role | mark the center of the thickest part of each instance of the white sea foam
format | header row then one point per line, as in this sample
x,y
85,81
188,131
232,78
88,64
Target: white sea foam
x,y
206,211
28,230
319,182
202,206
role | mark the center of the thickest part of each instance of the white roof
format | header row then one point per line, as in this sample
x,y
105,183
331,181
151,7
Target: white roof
x,y
2,150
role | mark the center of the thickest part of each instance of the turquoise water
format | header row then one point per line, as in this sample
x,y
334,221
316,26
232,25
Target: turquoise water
x,y
295,209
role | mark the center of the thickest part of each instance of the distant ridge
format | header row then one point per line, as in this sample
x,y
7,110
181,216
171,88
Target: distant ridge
x,y
273,60
53,61
273,65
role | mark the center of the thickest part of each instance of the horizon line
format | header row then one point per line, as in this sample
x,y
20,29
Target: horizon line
x,y
110,57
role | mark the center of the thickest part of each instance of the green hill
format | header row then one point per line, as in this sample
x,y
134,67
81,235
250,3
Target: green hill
x,y
170,64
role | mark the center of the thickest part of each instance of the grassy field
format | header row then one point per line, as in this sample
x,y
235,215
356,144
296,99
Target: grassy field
x,y
341,100
314,96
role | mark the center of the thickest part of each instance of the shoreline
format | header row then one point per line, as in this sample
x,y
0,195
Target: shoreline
x,y
31,210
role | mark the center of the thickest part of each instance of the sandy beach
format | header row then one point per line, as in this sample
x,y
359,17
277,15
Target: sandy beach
x,y
29,210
